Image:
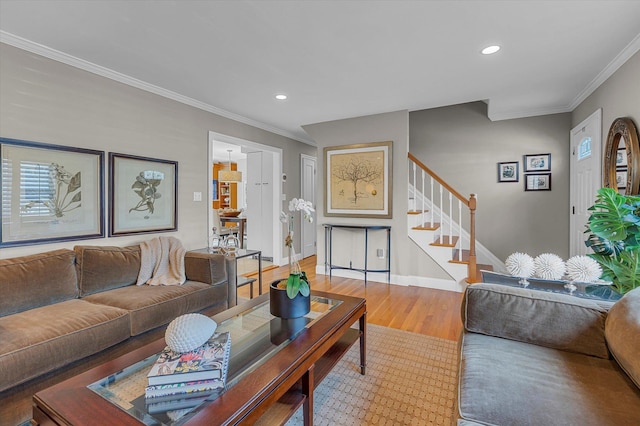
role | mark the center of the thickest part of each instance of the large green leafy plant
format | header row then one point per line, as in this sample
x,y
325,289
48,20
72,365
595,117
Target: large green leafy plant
x,y
614,228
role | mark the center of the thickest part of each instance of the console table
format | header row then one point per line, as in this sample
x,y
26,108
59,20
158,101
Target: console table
x,y
328,248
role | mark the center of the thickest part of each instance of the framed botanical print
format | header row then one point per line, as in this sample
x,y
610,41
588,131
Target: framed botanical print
x,y
143,194
50,193
358,180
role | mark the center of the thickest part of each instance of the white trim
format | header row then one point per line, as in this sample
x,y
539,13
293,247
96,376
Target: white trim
x,y
403,280
65,58
622,57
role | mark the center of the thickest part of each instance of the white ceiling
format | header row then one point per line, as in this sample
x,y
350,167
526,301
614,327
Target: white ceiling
x,y
337,59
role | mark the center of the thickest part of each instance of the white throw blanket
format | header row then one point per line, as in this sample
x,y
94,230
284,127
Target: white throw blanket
x,y
162,262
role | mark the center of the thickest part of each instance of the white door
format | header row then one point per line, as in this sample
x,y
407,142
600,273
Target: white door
x,y
260,198
254,200
308,190
586,177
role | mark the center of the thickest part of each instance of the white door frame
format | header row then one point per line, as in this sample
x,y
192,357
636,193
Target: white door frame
x,y
303,183
277,189
575,210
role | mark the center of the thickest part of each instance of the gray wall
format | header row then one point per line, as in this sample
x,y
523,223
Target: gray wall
x,y
405,259
618,96
463,146
46,101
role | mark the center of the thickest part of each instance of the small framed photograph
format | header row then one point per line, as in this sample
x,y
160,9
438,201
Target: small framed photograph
x,y
538,182
621,178
143,194
621,158
537,163
508,171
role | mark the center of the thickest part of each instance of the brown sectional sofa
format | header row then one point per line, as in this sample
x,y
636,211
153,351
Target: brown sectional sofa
x,y
529,357
61,306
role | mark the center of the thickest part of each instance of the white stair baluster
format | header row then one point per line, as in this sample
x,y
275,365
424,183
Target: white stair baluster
x,y
441,215
450,217
423,198
460,230
431,200
414,186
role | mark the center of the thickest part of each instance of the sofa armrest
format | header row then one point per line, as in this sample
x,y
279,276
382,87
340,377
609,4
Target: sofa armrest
x,y
211,268
553,320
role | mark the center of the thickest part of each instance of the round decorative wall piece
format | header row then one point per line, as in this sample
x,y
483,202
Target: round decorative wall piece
x,y
622,157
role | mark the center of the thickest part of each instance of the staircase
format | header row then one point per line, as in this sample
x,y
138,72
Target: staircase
x,y
435,223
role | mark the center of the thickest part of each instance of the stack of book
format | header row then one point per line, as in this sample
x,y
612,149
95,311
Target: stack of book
x,y
184,380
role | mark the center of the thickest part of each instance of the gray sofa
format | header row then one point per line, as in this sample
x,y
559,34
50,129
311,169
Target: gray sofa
x,y
61,306
529,357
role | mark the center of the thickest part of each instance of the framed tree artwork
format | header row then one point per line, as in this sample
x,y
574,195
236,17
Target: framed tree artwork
x,y
358,180
50,193
143,194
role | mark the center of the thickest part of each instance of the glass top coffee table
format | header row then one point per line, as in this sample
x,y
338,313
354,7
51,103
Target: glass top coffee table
x,y
274,366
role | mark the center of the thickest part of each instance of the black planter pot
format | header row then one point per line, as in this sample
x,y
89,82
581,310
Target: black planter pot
x,y
281,306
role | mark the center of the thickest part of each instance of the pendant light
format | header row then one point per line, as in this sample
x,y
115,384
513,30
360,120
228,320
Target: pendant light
x,y
228,175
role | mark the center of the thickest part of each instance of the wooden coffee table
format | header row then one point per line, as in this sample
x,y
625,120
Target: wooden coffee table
x,y
275,366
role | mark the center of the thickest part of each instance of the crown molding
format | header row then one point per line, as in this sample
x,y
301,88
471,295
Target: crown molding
x,y
630,49
499,116
622,57
56,55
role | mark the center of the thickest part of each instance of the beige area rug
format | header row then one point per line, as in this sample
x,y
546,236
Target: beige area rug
x,y
411,380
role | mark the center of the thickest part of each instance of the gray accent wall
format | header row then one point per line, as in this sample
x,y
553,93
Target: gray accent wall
x,y
406,259
461,145
43,100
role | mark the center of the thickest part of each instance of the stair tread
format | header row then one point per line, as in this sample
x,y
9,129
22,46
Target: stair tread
x,y
417,211
446,241
427,226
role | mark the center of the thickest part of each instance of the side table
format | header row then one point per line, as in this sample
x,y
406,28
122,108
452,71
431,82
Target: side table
x,y
241,280
328,248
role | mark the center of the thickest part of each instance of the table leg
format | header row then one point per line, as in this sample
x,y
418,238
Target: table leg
x,y
241,232
307,389
363,343
260,272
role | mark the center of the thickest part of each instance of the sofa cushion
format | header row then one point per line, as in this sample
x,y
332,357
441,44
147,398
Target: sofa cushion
x,y
557,321
49,337
29,282
505,382
103,268
622,331
153,306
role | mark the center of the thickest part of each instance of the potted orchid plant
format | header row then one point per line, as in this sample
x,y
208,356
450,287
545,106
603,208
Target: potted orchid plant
x,y
297,284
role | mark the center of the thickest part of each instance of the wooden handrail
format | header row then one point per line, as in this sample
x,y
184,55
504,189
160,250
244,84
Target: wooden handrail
x,y
471,203
439,180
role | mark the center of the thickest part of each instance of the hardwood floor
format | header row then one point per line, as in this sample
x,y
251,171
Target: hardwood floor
x,y
420,310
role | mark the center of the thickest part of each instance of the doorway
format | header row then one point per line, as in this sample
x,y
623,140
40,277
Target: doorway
x,y
270,247
308,191
586,177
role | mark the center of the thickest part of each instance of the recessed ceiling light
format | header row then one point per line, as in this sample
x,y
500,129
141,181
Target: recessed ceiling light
x,y
490,50
281,97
